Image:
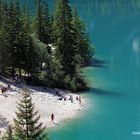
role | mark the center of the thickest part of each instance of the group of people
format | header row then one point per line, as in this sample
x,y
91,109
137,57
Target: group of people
x,y
78,98
58,93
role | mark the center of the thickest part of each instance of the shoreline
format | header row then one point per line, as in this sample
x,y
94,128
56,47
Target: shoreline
x,y
46,102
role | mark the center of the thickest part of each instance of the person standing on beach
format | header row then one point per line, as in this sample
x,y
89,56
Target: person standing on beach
x,y
71,98
80,100
52,117
77,98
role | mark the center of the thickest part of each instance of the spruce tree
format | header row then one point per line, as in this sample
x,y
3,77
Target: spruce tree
x,y
26,123
42,24
8,134
38,23
63,36
14,31
25,49
24,40
53,73
47,23
42,32
84,51
4,37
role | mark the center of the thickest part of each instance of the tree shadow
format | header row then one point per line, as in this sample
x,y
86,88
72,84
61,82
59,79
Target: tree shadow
x,y
22,86
98,63
51,91
102,92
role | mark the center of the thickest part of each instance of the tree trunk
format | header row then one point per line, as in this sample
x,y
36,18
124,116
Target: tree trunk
x,y
20,73
3,70
41,66
13,71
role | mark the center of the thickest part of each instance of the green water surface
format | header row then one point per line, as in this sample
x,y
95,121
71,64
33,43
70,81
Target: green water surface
x,y
114,76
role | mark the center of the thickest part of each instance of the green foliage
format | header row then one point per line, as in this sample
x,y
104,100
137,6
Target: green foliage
x,y
4,37
72,45
84,51
63,36
8,134
75,83
26,123
42,24
53,74
50,49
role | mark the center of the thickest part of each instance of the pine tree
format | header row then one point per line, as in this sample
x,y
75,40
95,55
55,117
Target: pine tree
x,y
26,124
8,134
84,51
42,24
53,73
14,31
19,36
63,36
4,37
66,52
26,19
38,24
47,23
25,49
24,40
1,11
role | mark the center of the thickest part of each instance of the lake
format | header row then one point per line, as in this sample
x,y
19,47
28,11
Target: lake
x,y
114,76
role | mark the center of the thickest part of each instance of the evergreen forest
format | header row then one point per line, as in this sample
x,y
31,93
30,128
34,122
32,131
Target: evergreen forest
x,y
47,48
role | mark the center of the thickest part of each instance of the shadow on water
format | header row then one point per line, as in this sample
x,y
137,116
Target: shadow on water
x,y
99,63
55,123
102,92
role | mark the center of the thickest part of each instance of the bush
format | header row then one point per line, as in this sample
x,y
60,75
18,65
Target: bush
x,y
75,83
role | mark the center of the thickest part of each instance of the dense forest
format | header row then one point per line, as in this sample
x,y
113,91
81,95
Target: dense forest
x,y
47,48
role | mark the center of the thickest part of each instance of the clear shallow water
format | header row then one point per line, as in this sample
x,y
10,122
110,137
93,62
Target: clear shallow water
x,y
114,77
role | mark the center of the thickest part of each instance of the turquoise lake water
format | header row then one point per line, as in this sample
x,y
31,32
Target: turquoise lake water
x,y
114,76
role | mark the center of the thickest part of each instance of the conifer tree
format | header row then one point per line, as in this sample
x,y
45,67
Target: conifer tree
x,y
4,37
42,24
53,73
1,5
38,23
84,51
8,134
24,41
63,36
19,36
66,51
26,123
47,23
42,29
25,49
14,31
